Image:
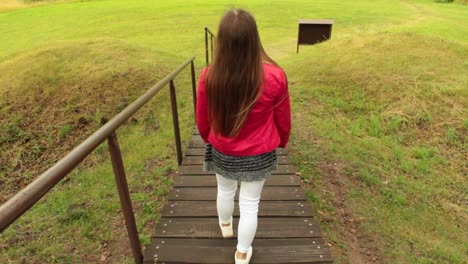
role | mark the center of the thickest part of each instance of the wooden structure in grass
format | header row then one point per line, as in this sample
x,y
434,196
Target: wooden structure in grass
x,y
188,230
313,31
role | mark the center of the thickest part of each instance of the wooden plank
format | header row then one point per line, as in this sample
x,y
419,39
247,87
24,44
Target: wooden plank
x,y
197,144
201,152
198,160
222,251
228,242
209,194
188,170
197,141
208,209
210,181
196,138
209,228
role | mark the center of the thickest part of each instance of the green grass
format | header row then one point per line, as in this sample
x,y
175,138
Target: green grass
x,y
385,99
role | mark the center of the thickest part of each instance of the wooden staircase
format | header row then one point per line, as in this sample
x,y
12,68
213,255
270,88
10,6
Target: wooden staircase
x,y
188,230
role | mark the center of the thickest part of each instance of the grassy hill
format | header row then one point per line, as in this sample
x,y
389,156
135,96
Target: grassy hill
x,y
379,133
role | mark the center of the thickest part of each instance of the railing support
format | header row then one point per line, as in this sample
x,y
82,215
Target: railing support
x,y
175,120
211,44
194,89
206,46
209,49
125,201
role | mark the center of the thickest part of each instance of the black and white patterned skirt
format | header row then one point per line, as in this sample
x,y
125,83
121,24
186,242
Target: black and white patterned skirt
x,y
242,168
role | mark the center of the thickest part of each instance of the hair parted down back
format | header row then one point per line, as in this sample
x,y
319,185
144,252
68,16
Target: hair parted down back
x,y
234,80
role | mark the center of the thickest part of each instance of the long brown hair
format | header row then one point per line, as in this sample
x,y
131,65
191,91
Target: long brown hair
x,y
235,79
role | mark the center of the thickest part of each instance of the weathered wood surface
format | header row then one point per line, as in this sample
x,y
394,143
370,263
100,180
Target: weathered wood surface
x,y
188,230
209,194
201,152
198,160
221,251
267,228
208,209
195,170
210,181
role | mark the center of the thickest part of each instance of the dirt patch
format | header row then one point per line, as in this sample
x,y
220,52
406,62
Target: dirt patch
x,y
115,250
351,243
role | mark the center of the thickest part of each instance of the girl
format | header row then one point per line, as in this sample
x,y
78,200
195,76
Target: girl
x,y
243,114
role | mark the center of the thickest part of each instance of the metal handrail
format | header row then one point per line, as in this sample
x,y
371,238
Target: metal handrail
x,y
28,196
212,36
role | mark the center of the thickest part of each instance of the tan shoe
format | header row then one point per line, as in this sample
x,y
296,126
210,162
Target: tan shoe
x,y
226,231
246,260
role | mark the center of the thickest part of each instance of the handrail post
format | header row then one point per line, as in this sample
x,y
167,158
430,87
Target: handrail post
x,y
211,43
175,119
194,89
125,201
206,46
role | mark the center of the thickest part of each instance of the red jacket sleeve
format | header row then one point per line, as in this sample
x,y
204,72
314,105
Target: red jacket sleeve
x,y
283,112
202,108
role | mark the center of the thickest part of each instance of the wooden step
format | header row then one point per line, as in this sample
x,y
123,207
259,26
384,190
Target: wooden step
x,y
210,181
201,152
209,194
221,251
198,160
187,170
209,228
208,209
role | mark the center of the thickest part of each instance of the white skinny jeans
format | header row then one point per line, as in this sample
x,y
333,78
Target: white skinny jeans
x,y
249,198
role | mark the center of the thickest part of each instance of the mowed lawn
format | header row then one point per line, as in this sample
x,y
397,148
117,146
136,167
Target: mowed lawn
x,y
380,120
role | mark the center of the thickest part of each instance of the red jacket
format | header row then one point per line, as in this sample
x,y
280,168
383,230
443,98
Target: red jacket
x,y
267,126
